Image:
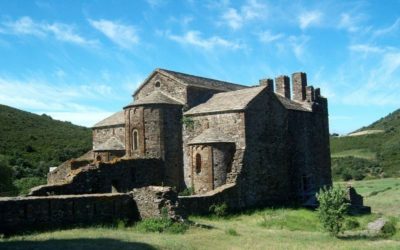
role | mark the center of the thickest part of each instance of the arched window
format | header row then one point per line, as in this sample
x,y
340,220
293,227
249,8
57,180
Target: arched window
x,y
158,84
198,163
135,140
98,158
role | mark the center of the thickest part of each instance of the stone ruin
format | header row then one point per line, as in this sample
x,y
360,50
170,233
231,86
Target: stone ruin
x,y
222,142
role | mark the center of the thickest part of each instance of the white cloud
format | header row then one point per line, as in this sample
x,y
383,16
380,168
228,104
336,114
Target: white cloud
x,y
382,83
87,119
60,101
194,38
123,35
64,32
349,22
268,37
251,10
298,45
60,31
388,30
309,18
233,19
366,48
25,26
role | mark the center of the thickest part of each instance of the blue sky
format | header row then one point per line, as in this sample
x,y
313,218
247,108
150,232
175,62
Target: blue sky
x,y
81,60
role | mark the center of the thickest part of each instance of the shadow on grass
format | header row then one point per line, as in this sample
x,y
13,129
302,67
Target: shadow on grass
x,y
75,244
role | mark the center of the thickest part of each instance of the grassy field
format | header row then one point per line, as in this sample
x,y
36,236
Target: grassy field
x,y
263,229
359,153
383,195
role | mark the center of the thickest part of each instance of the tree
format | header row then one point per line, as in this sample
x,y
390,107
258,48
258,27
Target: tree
x,y
6,177
332,209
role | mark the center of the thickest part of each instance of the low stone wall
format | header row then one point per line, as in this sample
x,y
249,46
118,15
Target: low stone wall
x,y
200,204
152,200
45,212
33,213
119,176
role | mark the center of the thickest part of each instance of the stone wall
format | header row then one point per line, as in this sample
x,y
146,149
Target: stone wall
x,y
119,176
200,204
310,152
231,124
172,146
34,213
164,84
152,200
196,96
102,134
62,173
19,214
264,179
159,130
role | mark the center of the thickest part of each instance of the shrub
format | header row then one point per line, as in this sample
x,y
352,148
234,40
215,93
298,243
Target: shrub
x,y
188,122
163,224
389,228
121,224
187,192
220,210
232,232
332,209
351,224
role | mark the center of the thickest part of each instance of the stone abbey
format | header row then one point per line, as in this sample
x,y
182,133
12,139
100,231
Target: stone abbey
x,y
220,142
267,143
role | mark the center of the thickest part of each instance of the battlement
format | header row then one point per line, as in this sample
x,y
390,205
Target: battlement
x,y
300,91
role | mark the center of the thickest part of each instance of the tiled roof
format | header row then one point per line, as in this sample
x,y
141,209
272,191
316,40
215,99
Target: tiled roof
x,y
203,82
289,104
155,97
196,81
111,144
211,135
115,119
227,101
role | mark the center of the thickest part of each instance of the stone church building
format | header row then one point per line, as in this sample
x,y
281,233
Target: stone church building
x,y
220,142
257,145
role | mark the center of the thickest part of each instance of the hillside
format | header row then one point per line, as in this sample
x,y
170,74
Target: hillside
x,y
30,143
368,154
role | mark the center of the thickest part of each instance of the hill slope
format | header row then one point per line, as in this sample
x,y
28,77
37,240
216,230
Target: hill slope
x,y
370,154
30,143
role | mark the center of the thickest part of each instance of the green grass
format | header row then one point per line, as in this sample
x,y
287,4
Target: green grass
x,y
261,229
387,201
358,153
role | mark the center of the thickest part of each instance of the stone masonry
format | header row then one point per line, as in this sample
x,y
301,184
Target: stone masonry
x,y
254,146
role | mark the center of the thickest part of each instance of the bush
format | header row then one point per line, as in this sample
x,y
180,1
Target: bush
x,y
332,209
390,227
351,224
6,175
232,232
220,210
187,192
25,184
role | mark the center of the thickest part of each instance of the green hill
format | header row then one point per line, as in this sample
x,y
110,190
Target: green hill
x,y
30,144
370,154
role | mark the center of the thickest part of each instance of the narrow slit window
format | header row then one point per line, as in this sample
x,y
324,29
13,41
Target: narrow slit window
x,y
135,140
198,163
